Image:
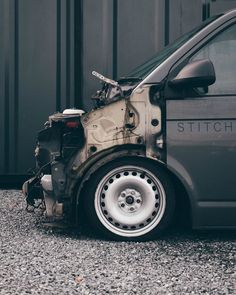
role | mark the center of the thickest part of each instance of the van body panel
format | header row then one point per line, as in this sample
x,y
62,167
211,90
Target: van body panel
x,y
201,135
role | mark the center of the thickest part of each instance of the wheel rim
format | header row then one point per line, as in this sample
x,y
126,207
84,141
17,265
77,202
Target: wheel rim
x,y
130,201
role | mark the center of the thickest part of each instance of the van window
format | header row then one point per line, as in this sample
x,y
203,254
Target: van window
x,y
221,50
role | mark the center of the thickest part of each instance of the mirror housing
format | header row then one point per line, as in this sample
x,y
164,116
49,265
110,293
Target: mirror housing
x,y
199,73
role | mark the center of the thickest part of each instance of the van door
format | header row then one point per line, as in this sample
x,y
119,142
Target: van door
x,y
201,137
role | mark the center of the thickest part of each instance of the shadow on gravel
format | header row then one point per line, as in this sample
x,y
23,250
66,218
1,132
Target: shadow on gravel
x,y
174,234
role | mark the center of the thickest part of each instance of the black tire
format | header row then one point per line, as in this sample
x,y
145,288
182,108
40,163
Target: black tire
x,y
129,199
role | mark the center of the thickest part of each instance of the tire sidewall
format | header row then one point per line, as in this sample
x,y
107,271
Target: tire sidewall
x,y
91,187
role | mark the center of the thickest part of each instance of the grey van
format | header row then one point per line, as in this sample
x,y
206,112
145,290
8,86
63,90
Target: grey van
x,y
158,141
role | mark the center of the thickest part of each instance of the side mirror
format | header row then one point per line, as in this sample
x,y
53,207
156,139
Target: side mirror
x,y
199,73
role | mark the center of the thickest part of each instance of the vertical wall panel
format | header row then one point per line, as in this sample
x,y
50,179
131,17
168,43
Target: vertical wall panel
x,y
7,83
36,74
70,25
184,16
13,86
97,44
62,44
140,32
2,86
219,6
66,58
37,71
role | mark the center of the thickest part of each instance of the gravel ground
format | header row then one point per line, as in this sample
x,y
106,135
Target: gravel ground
x,y
37,260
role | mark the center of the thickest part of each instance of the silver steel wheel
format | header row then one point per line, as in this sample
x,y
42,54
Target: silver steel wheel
x,y
130,201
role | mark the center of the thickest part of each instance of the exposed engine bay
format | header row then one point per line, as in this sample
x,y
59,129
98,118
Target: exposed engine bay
x,y
73,142
112,90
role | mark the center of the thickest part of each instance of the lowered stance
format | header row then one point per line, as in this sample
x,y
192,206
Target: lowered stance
x,y
161,139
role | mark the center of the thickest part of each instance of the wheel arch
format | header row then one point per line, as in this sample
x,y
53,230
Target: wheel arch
x,y
112,154
183,200
79,179
101,159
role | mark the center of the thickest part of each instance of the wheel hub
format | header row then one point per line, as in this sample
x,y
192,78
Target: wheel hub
x,y
129,200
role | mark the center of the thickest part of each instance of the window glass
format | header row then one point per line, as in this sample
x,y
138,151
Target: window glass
x,y
222,52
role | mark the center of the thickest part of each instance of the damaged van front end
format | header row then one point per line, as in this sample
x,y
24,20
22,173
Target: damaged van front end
x,y
158,141
74,144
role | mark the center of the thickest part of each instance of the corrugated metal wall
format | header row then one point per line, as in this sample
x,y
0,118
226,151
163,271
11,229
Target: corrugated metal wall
x,y
36,73
48,49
